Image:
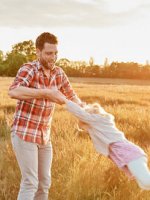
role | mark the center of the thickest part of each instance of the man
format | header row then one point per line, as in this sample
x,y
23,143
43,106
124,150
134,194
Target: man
x,y
37,86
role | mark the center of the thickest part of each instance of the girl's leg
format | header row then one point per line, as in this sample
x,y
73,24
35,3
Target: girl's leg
x,y
140,171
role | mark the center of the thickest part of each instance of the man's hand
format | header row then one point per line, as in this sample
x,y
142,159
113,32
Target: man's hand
x,y
82,104
55,96
79,102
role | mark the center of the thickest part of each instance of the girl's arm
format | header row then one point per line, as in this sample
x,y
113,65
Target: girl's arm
x,y
79,112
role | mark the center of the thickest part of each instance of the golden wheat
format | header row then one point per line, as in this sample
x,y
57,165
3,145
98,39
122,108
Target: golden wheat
x,y
78,172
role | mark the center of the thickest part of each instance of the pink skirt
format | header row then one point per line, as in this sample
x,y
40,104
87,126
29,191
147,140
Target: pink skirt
x,y
123,152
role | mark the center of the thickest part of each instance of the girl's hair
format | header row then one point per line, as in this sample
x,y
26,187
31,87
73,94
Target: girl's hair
x,y
94,108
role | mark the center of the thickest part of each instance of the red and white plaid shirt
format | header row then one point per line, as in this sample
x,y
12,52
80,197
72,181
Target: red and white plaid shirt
x,y
32,118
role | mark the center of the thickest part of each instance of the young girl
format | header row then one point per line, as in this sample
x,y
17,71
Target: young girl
x,y
111,142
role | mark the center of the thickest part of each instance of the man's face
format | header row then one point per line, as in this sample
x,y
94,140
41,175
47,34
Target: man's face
x,y
48,55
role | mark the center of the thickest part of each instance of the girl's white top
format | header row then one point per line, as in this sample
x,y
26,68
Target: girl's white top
x,y
101,127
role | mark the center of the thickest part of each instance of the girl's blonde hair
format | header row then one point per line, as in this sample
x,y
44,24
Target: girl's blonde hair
x,y
94,108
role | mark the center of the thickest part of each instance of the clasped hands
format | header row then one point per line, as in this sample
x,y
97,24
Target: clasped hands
x,y
56,96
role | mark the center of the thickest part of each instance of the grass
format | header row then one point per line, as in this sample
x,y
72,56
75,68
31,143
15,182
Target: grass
x,y
78,172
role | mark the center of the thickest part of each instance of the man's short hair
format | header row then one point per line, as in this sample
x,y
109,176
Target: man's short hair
x,y
45,38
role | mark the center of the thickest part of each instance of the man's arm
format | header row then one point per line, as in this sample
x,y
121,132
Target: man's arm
x,y
20,88
65,87
76,100
24,93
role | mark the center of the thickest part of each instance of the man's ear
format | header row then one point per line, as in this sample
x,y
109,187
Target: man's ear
x,y
38,52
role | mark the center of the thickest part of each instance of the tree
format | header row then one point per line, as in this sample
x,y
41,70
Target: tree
x,y
1,63
106,63
145,72
64,63
26,49
1,56
91,61
13,62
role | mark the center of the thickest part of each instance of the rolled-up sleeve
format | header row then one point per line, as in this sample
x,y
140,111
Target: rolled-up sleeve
x,y
23,77
66,87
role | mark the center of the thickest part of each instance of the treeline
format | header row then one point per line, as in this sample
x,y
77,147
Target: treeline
x,y
129,70
25,52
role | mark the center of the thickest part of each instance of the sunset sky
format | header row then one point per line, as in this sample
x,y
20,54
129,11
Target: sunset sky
x,y
116,29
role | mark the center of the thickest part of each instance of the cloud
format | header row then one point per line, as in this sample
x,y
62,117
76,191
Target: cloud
x,y
66,13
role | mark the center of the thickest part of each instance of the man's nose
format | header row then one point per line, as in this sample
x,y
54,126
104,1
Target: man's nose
x,y
53,57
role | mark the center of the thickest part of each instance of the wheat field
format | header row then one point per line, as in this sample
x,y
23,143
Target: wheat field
x,y
78,172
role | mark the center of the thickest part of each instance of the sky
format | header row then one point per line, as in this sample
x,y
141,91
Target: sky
x,y
115,29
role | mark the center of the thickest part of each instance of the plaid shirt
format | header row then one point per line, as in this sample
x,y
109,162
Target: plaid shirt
x,y
32,118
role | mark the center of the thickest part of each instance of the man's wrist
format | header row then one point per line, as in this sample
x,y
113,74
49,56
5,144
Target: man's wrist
x,y
43,93
76,100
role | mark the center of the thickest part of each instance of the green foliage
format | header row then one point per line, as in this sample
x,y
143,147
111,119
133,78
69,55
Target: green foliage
x,y
1,56
25,52
25,48
13,63
21,53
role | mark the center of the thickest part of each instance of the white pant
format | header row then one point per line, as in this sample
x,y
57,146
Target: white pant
x,y
140,171
35,165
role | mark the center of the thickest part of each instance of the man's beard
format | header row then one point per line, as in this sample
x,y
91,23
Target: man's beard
x,y
46,64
